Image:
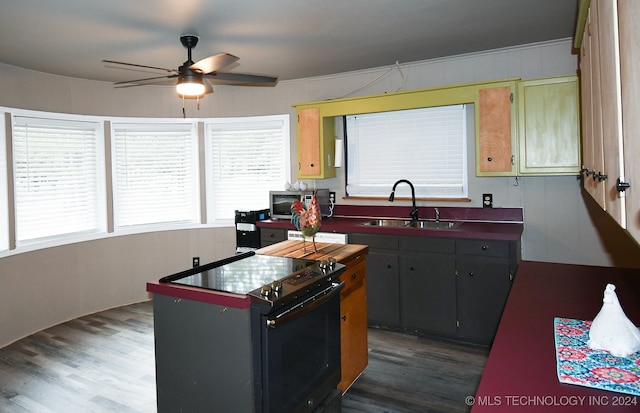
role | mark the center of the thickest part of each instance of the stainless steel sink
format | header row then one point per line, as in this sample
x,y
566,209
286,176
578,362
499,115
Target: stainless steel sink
x,y
397,223
405,223
432,224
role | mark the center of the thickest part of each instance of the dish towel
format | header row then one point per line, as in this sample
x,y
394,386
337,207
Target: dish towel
x,y
580,365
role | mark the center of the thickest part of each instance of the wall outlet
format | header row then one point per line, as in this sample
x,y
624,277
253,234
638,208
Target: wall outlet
x,y
487,200
196,262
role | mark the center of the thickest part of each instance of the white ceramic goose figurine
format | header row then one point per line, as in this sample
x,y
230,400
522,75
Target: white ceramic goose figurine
x,y
611,330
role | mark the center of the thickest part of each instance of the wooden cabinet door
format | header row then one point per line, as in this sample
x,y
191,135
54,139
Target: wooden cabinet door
x,y
592,143
549,128
353,318
628,15
309,142
494,144
611,105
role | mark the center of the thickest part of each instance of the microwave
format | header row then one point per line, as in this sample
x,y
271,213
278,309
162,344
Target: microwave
x,y
280,202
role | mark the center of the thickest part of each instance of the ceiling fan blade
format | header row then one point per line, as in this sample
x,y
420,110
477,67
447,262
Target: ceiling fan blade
x,y
241,79
214,63
162,69
147,81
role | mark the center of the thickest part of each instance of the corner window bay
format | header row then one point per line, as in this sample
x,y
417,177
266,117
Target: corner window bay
x,y
426,145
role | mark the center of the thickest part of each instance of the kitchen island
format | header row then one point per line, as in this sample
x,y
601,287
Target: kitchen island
x,y
353,298
520,374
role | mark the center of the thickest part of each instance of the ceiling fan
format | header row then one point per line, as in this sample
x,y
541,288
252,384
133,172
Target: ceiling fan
x,y
194,79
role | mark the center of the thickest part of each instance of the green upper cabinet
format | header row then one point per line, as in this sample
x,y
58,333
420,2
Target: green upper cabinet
x,y
549,126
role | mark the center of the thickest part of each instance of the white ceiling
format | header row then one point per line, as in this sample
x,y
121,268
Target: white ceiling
x,y
290,39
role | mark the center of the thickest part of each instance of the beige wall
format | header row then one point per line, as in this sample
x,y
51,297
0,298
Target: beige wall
x,y
42,288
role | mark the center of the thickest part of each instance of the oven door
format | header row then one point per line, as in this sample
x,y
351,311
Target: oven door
x,y
301,354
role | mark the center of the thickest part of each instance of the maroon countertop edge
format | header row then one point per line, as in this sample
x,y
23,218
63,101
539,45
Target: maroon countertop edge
x,y
484,223
199,294
520,374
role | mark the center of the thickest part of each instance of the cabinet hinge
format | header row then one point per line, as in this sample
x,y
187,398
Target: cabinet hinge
x,y
511,97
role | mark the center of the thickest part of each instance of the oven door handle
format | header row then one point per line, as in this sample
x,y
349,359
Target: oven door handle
x,y
305,307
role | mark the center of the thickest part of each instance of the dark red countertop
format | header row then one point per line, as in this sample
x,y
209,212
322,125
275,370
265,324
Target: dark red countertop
x,y
198,294
520,374
480,223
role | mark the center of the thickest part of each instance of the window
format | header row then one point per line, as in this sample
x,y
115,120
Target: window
x,y
155,173
58,172
426,146
4,213
246,158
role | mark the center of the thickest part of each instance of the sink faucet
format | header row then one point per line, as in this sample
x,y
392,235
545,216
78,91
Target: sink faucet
x,y
437,214
414,211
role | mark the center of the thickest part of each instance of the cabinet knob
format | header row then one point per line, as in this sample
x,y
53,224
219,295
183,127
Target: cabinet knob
x,y
344,318
312,165
389,266
353,276
485,247
411,268
471,274
489,159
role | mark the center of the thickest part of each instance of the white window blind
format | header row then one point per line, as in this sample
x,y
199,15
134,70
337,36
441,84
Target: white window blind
x,y
155,177
426,146
4,212
58,176
246,158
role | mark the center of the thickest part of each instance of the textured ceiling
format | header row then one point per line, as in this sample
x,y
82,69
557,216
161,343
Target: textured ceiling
x,y
290,39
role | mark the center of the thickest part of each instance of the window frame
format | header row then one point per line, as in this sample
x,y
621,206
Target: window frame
x,y
216,217
145,126
56,119
425,188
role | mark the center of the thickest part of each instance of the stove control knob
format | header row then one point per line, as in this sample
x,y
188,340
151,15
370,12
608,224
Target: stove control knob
x,y
276,287
324,264
332,262
265,291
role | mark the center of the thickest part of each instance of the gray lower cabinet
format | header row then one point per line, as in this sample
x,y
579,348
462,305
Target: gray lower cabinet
x,y
269,236
450,287
428,284
485,270
383,287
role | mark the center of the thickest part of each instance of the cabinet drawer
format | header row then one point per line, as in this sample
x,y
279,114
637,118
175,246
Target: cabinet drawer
x,y
388,242
272,235
428,244
353,277
483,247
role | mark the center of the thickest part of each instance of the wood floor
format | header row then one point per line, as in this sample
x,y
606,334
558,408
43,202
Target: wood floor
x,y
105,363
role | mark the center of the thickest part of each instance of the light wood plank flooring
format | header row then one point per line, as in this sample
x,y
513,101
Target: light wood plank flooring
x,y
105,363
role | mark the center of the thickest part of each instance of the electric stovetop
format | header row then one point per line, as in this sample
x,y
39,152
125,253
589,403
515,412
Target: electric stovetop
x,y
246,273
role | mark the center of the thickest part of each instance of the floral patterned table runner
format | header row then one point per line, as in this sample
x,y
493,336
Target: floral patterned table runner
x,y
580,365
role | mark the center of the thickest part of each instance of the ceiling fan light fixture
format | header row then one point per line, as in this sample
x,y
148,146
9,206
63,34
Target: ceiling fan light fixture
x,y
190,85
